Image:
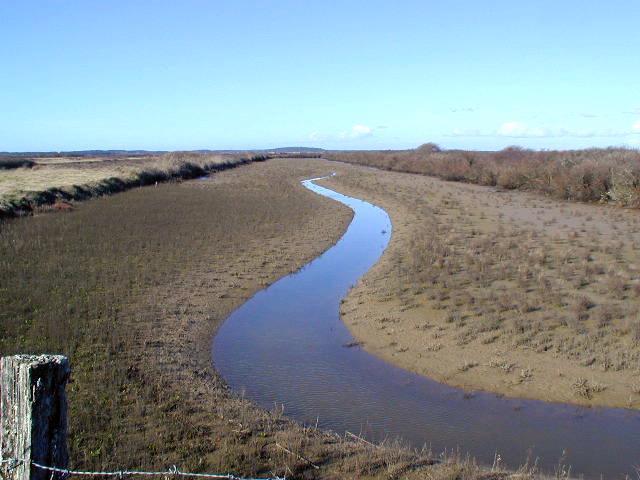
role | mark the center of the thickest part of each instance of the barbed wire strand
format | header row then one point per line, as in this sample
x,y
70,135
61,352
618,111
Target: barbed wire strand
x,y
173,471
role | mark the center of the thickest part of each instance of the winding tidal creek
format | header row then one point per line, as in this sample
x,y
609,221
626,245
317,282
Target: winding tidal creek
x,y
287,346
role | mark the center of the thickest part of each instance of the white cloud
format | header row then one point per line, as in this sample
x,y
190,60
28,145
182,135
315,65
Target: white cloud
x,y
518,129
316,136
358,131
466,132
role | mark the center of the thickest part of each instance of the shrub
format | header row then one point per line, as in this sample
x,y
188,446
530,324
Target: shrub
x,y
591,175
8,163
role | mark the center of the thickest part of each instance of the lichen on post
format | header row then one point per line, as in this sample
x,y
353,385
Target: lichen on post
x,y
33,415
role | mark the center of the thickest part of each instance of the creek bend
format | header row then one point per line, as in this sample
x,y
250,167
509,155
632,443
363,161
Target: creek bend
x,y
286,346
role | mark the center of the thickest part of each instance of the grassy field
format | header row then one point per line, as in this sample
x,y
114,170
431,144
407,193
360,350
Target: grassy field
x,y
592,175
29,183
132,288
504,291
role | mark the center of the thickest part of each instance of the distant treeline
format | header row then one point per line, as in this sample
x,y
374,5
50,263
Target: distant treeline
x,y
606,175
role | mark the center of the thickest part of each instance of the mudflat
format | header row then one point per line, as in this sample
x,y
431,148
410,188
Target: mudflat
x,y
132,287
508,292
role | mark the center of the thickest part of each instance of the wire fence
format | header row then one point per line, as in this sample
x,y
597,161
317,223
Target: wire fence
x,y
13,463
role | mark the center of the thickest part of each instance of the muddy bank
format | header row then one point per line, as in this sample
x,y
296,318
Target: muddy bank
x,y
504,292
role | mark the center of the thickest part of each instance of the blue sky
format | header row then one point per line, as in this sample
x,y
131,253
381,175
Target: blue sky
x,y
336,74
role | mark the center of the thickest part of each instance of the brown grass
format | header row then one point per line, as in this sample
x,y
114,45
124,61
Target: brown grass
x,y
44,181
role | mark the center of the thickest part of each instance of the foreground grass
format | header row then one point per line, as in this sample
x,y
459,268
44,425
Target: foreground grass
x,y
132,288
592,175
27,184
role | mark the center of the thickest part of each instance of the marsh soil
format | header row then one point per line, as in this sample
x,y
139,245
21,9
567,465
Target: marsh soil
x,y
507,292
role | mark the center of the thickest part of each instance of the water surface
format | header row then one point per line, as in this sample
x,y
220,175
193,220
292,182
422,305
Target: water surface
x,y
286,346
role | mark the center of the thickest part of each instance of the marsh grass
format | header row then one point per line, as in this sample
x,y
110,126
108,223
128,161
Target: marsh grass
x,y
86,283
23,189
505,282
489,281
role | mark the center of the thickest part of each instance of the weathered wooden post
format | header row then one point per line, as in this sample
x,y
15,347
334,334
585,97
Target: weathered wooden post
x,y
33,415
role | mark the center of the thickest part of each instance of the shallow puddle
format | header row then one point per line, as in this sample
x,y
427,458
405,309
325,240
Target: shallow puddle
x,y
287,346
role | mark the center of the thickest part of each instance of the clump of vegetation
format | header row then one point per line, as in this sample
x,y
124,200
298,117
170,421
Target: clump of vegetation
x,y
590,175
467,365
9,163
584,388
